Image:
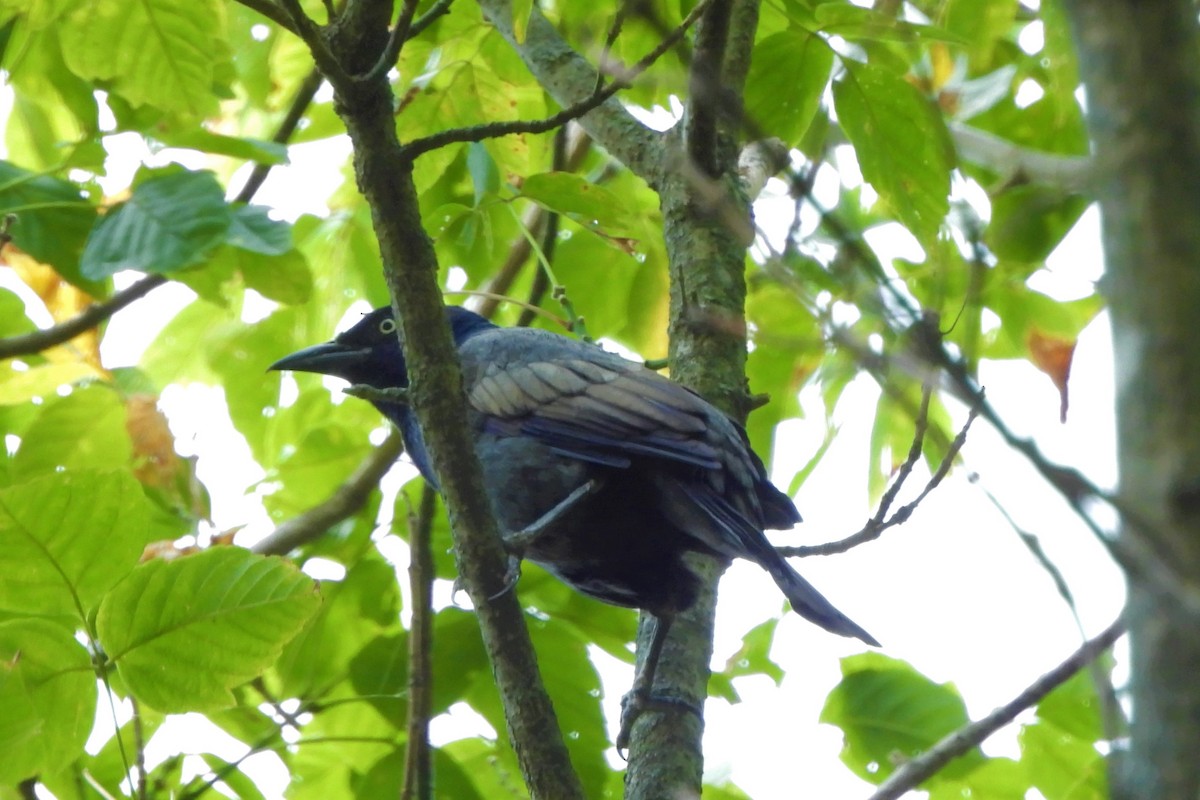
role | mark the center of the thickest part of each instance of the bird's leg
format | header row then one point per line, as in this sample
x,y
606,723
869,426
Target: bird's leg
x,y
640,697
517,542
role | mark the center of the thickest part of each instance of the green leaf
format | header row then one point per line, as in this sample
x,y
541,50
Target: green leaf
x,y
355,610
48,694
54,120
285,278
521,9
753,658
1030,221
42,381
994,779
589,204
1061,766
486,765
379,674
245,148
485,178
788,75
251,228
889,712
1074,707
174,219
183,633
53,220
901,142
84,430
162,53
67,539
983,25
855,22
1023,312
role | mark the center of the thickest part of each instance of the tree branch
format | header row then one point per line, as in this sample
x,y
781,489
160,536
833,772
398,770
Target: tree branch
x,y
533,220
599,96
707,93
418,768
1072,174
878,523
707,354
385,178
910,774
569,78
344,503
37,341
93,315
303,98
304,27
272,11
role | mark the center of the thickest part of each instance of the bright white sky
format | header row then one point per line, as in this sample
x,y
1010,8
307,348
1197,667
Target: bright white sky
x,y
953,591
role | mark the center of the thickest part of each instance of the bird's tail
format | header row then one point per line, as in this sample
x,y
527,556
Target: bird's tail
x,y
811,604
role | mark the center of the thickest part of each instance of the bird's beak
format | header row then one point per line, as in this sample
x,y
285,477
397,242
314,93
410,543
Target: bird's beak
x,y
330,358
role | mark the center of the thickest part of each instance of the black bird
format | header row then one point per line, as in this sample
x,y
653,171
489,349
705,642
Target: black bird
x,y
598,469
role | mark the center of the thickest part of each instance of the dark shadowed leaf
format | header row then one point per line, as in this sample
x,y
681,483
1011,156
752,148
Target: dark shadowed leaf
x,y
173,219
52,220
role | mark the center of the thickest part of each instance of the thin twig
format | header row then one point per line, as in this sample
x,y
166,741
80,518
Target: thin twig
x,y
390,394
1112,717
342,504
272,11
877,525
492,130
532,219
910,774
303,98
438,9
549,236
614,31
139,744
308,30
396,40
418,770
37,341
706,103
90,317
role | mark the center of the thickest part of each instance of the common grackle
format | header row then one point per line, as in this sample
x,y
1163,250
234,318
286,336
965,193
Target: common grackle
x,y
598,469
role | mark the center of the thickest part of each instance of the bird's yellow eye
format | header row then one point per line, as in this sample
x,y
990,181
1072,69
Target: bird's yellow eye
x,y
387,326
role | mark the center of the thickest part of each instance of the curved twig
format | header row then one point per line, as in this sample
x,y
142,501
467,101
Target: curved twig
x,y
492,130
910,774
342,504
93,315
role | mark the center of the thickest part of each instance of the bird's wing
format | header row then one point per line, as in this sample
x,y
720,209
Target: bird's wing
x,y
596,409
590,405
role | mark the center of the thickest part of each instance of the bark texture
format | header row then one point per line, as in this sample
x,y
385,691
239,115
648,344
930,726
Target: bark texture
x,y
1140,63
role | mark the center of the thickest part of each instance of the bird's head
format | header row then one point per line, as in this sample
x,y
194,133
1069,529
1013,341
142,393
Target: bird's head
x,y
369,352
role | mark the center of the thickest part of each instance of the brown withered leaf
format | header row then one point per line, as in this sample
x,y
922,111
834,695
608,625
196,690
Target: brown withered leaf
x,y
1053,355
62,300
156,463
166,550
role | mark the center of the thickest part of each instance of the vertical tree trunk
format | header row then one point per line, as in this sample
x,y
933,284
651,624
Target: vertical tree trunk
x,y
1140,62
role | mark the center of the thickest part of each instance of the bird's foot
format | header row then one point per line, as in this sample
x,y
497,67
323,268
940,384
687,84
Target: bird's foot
x,y
634,704
511,575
